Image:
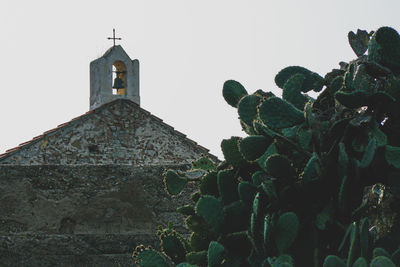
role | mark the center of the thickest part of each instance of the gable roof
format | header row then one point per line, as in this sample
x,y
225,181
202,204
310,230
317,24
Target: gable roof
x,y
116,49
90,113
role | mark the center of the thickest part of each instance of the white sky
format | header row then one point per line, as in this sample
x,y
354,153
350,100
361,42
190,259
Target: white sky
x,y
186,49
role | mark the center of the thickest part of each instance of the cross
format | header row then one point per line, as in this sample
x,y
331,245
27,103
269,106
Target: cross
x,y
113,38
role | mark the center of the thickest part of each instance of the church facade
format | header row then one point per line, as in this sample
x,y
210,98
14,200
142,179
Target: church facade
x,y
88,191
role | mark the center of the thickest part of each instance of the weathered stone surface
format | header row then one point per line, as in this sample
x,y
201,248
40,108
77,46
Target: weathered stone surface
x,y
119,132
55,215
101,77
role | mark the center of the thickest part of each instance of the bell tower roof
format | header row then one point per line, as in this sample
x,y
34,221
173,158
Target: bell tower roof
x,y
115,66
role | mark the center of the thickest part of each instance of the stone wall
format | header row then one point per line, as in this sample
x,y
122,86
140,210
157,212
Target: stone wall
x,y
83,215
119,132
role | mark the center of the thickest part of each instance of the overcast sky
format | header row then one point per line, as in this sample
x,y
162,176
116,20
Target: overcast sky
x,y
186,49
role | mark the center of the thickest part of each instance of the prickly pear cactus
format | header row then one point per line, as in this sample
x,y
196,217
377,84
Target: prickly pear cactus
x,y
292,193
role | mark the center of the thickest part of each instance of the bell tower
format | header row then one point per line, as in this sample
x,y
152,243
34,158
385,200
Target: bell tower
x,y
114,76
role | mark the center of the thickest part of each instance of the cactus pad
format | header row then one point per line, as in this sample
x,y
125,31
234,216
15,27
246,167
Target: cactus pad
x,y
203,163
208,185
150,258
354,99
312,80
186,210
230,149
392,155
369,153
247,192
210,209
247,108
280,167
384,47
173,247
174,183
381,261
254,146
233,91
286,231
292,91
333,261
360,262
277,113
216,254
359,41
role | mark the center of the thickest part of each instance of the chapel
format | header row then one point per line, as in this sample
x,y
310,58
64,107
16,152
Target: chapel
x,y
88,191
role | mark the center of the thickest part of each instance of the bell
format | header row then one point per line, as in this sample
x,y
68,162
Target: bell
x,y
118,83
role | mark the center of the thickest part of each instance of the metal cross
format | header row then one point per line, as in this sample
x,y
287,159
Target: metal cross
x,y
113,38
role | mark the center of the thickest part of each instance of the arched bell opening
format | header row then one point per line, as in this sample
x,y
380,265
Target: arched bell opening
x,y
119,78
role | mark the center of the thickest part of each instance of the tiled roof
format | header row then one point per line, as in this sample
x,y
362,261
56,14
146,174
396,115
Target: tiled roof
x,y
96,110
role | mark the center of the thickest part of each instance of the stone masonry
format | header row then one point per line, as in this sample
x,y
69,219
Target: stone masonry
x,y
83,215
89,191
119,132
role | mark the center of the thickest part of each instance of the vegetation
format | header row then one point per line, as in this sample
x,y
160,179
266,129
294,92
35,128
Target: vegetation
x,y
297,190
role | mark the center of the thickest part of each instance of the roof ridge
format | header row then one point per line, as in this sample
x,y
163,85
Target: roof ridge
x,y
36,139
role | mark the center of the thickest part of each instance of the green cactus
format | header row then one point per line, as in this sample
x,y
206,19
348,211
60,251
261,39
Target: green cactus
x,y
259,177
198,243
292,91
280,167
185,264
216,254
312,170
277,113
343,194
174,183
253,147
384,47
257,204
197,224
304,137
186,210
263,159
247,108
199,258
354,99
354,245
312,80
247,192
323,217
236,217
149,258
396,257
336,85
305,161
203,163
359,41
333,261
281,261
233,91
362,81
381,261
286,231
208,185
172,246
369,153
269,225
227,186
380,252
360,262
392,155
364,236
210,208
230,149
